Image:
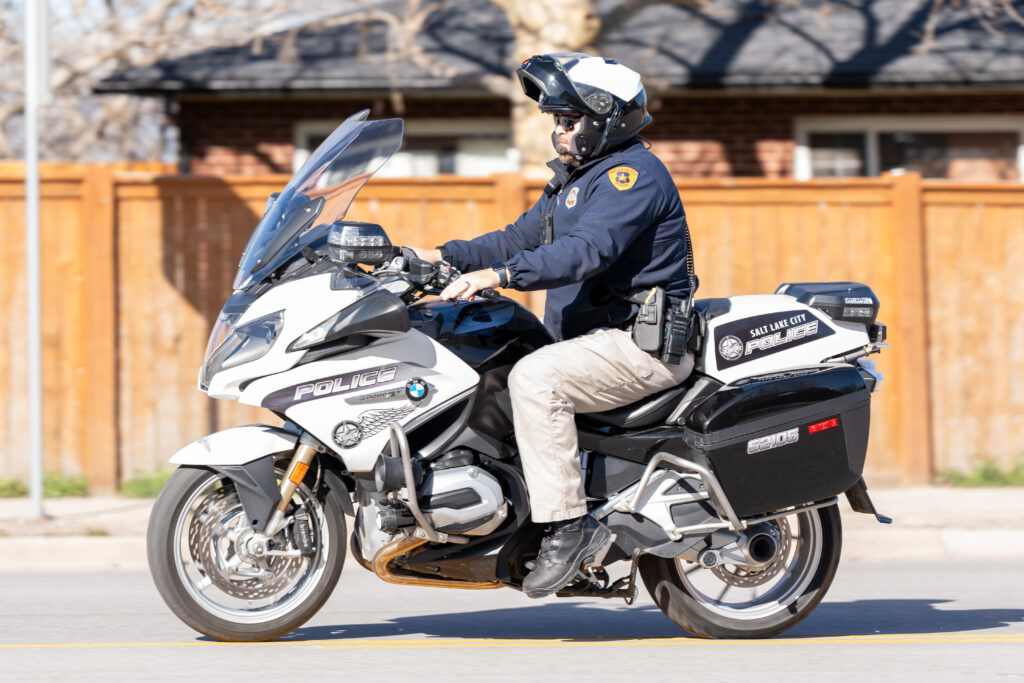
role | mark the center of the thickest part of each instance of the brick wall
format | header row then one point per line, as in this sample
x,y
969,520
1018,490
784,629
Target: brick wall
x,y
249,137
721,136
699,136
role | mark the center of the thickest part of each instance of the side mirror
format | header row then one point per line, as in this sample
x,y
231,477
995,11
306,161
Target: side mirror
x,y
354,242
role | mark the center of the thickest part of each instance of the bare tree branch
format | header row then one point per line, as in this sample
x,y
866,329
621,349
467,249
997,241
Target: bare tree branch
x,y
92,39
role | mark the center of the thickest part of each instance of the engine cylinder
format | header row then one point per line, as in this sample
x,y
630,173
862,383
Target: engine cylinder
x,y
463,500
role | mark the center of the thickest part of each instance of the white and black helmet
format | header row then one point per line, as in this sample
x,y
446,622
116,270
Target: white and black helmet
x,y
609,96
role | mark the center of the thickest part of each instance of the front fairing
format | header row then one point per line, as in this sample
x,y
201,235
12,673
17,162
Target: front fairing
x,y
318,195
300,216
294,306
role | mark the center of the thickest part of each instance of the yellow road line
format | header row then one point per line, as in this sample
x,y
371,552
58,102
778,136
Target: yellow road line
x,y
553,642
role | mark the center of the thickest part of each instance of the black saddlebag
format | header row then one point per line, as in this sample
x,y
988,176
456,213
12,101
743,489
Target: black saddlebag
x,y
785,439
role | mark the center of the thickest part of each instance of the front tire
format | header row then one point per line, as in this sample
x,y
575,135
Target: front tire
x,y
194,539
764,602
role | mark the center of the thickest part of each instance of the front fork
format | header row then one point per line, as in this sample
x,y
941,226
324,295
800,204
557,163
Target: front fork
x,y
297,468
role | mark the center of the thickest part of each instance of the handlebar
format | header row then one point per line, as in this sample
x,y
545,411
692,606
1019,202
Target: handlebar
x,y
425,276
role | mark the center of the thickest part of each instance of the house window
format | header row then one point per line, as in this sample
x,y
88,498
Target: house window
x,y
981,148
962,156
838,155
465,147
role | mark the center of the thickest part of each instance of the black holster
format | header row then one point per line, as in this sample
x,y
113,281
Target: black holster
x,y
660,329
648,325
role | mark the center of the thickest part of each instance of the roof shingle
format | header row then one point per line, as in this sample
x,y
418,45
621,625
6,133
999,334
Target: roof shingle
x,y
729,44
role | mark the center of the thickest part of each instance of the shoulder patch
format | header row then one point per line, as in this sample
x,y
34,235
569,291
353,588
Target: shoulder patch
x,y
623,177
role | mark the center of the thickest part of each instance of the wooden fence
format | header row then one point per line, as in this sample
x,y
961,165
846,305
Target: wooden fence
x,y
136,266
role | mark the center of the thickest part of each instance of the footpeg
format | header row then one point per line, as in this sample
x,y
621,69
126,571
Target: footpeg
x,y
593,581
596,575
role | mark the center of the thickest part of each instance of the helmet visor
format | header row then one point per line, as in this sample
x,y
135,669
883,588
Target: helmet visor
x,y
544,80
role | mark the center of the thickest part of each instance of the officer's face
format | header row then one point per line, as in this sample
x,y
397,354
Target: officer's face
x,y
566,128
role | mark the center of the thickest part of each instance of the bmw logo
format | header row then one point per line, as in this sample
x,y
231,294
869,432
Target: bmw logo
x,y
416,389
347,434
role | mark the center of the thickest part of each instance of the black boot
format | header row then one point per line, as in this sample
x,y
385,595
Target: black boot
x,y
566,546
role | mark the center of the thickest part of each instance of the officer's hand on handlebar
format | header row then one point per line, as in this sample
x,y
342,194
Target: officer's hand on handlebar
x,y
429,255
469,284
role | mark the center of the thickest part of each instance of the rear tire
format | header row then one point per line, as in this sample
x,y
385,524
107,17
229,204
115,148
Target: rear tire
x,y
791,586
191,544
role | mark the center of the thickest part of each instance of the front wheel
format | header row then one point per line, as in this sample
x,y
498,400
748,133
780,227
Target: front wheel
x,y
220,578
733,601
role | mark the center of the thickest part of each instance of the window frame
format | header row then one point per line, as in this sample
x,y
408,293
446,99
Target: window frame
x,y
873,125
437,127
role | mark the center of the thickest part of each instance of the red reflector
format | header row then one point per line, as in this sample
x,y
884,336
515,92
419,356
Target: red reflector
x,y
822,426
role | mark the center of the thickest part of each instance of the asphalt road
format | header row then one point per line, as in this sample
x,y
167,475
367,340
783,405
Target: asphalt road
x,y
880,622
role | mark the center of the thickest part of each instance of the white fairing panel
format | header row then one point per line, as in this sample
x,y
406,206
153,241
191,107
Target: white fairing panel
x,y
307,302
349,401
236,446
766,333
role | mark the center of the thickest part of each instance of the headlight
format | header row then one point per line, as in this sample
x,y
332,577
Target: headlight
x,y
230,346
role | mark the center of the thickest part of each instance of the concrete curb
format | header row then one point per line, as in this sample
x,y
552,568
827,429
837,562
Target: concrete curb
x,y
58,554
73,554
888,544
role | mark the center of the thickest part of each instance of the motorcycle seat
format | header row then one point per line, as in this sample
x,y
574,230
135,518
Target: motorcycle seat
x,y
656,408
651,410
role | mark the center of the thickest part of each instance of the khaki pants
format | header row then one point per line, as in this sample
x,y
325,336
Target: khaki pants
x,y
598,371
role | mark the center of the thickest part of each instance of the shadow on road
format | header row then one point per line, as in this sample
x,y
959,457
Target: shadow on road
x,y
580,622
900,617
566,620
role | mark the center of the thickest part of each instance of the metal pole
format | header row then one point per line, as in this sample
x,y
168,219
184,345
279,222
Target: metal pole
x,y
35,393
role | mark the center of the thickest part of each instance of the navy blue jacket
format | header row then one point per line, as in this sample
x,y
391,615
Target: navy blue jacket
x,y
619,226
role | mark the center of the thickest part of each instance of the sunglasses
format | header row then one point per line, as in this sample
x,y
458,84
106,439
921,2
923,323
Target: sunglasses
x,y
567,121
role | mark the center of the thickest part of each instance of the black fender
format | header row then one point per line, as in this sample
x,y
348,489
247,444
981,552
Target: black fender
x,y
257,488
336,484
259,492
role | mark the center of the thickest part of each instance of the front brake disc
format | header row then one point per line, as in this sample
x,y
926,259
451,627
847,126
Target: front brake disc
x,y
214,533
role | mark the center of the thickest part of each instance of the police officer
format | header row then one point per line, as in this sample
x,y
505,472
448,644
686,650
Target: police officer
x,y
609,225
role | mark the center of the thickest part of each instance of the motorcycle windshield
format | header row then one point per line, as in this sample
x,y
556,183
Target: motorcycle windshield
x,y
319,194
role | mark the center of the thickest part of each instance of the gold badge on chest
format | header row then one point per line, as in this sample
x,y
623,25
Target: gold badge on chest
x,y
570,200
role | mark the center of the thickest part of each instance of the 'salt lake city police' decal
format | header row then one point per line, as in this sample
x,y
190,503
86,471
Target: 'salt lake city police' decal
x,y
762,335
330,386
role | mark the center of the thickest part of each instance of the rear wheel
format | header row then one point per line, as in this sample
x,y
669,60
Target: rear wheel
x,y
220,577
734,601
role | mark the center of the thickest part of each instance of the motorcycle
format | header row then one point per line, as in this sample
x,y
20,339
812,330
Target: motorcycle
x,y
721,492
